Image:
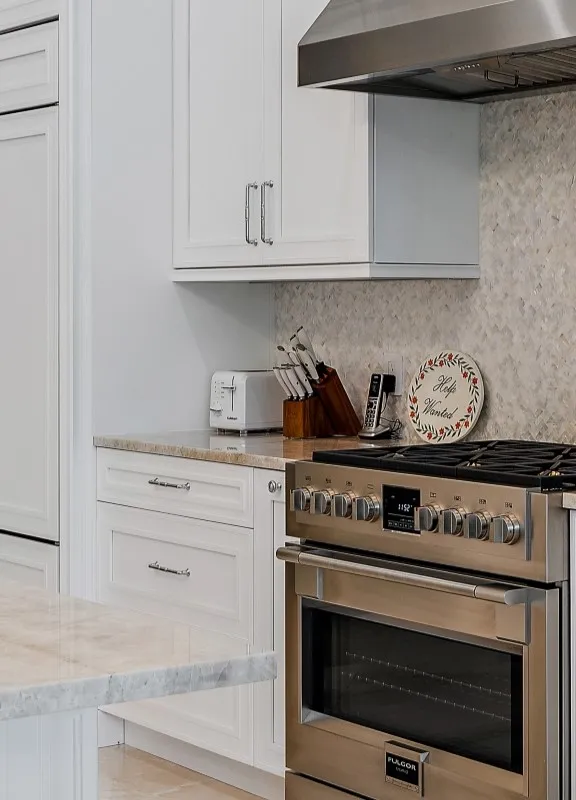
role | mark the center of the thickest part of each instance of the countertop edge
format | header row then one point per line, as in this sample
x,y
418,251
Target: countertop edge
x,y
80,693
569,501
193,453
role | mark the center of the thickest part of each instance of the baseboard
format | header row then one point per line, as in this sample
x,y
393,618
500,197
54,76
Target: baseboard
x,y
234,773
110,730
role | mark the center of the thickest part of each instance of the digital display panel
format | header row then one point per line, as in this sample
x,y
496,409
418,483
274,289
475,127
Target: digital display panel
x,y
398,506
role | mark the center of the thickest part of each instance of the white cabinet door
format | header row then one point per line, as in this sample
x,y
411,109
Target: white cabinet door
x,y
29,67
29,323
317,153
16,13
218,137
218,720
29,562
269,534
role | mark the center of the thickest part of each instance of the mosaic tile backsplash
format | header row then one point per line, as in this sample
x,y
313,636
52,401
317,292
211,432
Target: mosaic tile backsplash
x,y
518,321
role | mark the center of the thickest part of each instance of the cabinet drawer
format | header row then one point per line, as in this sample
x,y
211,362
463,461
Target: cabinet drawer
x,y
200,489
28,562
214,587
17,13
218,720
29,68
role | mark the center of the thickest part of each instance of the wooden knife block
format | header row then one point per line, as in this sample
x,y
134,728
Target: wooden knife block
x,y
336,403
306,419
328,413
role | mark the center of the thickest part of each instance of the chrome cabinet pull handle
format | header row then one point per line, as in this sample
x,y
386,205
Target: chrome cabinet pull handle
x,y
249,187
274,486
265,185
159,568
168,485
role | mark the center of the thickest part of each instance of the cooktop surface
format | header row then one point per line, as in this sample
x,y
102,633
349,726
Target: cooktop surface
x,y
545,466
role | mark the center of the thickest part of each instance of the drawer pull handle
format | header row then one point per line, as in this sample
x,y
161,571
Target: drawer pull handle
x,y
159,568
168,485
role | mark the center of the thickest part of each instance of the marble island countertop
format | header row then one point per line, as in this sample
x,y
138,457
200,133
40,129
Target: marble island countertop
x,y
60,654
271,451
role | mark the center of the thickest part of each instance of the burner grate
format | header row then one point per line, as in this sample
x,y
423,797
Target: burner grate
x,y
542,465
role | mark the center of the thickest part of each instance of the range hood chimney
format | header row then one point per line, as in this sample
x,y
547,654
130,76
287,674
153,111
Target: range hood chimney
x,y
474,50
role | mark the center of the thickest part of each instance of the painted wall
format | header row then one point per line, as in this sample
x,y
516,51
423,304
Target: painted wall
x,y
518,321
155,344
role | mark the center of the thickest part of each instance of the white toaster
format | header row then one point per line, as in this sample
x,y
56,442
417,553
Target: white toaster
x,y
246,401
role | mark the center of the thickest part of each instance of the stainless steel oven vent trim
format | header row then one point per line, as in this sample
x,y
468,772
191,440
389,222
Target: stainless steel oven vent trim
x,y
450,49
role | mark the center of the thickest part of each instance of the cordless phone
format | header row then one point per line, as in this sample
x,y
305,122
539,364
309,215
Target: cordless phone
x,y
376,395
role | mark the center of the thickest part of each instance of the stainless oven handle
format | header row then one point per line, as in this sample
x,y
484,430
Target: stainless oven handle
x,y
496,593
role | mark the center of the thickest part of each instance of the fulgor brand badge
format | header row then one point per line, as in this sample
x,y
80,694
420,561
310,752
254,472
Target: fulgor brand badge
x,y
404,767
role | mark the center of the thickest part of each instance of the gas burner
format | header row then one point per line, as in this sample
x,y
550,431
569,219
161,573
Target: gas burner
x,y
545,466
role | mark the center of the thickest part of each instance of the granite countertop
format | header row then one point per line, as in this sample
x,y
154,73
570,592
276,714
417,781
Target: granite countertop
x,y
265,451
60,653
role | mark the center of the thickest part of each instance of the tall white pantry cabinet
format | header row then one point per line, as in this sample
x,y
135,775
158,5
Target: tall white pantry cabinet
x,y
29,294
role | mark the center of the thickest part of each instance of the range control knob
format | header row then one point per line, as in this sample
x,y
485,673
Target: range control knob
x,y
426,518
322,502
366,509
507,529
342,505
477,526
452,521
300,498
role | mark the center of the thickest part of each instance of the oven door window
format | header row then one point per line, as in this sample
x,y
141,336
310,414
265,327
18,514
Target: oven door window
x,y
454,696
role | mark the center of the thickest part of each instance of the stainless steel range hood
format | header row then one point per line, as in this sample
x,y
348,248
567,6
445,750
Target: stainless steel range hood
x,y
475,50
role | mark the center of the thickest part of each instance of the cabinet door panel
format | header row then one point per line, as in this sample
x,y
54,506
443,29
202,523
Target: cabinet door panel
x,y
16,13
218,720
29,562
29,323
218,138
317,153
29,67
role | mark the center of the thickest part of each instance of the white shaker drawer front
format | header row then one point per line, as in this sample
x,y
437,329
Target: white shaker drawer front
x,y
200,573
200,489
29,562
219,720
29,68
17,13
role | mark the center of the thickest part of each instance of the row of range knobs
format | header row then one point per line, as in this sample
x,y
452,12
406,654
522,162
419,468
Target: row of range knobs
x,y
506,528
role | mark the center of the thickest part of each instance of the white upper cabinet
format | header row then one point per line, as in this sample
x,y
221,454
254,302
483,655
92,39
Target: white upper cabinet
x,y
325,184
29,323
218,131
317,153
16,13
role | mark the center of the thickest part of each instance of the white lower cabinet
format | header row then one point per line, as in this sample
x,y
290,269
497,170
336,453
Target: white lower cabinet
x,y
29,562
269,534
219,720
223,580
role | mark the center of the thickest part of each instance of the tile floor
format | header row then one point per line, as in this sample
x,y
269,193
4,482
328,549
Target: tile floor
x,y
128,774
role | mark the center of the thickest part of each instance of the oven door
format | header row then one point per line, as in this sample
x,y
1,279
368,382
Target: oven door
x,y
406,679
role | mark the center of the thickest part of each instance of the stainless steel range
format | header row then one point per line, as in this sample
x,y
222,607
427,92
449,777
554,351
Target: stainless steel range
x,y
427,623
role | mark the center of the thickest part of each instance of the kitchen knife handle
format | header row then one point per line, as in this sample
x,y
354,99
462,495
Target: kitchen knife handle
x,y
263,187
249,188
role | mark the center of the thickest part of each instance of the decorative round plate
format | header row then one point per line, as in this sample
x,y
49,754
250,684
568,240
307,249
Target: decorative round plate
x,y
446,397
